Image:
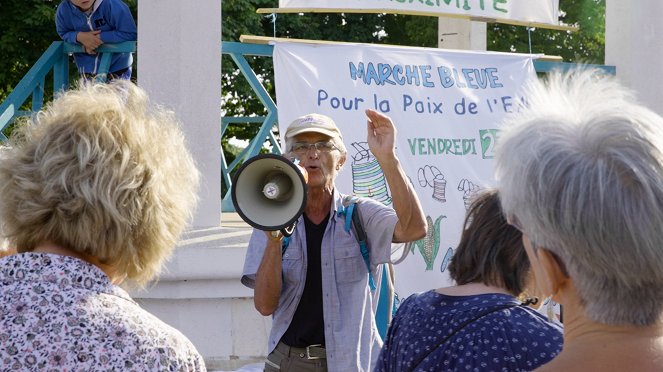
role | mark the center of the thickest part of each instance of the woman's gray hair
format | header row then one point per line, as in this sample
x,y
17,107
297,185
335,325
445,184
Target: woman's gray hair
x,y
581,167
101,172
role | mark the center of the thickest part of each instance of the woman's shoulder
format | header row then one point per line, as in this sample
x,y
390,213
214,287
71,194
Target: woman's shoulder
x,y
420,298
452,309
515,338
534,320
152,336
416,303
518,331
520,319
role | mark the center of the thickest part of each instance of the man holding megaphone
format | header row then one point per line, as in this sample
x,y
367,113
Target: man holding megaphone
x,y
317,289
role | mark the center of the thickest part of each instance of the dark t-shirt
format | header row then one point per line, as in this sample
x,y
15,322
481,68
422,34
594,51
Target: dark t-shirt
x,y
308,326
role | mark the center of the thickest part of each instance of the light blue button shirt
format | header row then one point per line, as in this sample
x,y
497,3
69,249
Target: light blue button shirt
x,y
351,337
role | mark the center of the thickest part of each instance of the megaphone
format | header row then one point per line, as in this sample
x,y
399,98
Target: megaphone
x,y
269,193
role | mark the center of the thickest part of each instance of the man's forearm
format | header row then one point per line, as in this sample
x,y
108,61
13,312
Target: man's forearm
x,y
269,279
411,220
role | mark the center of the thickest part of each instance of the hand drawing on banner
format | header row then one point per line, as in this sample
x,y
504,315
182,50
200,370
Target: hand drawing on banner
x,y
469,189
431,176
430,244
367,176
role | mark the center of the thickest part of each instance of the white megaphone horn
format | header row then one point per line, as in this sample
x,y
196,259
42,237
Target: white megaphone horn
x,y
269,193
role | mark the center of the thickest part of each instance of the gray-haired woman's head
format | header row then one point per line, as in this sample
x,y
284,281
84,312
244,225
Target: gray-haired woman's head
x,y
582,169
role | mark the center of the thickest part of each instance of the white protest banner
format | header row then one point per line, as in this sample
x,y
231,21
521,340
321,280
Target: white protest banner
x,y
536,11
447,107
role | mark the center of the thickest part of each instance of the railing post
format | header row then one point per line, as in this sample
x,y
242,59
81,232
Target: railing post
x,y
256,144
61,73
238,51
104,66
38,95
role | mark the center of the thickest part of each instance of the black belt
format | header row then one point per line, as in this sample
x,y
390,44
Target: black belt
x,y
310,352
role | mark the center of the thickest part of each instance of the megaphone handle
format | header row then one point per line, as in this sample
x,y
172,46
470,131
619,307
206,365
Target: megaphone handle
x,y
287,231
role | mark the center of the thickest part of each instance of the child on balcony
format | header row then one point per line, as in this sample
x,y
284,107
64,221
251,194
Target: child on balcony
x,y
92,23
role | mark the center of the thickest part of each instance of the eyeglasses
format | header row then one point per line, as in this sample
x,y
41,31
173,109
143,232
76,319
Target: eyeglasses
x,y
303,147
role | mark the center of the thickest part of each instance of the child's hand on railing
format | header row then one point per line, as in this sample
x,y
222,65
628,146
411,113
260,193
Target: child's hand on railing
x,y
90,40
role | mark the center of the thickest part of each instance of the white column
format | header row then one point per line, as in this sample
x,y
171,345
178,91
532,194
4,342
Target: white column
x,y
458,33
633,43
200,294
179,64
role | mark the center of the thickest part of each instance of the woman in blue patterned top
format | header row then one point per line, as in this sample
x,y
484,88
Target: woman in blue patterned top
x,y
479,324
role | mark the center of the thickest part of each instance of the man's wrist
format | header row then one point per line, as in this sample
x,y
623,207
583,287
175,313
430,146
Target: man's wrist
x,y
388,160
275,236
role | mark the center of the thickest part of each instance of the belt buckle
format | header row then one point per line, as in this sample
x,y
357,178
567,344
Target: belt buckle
x,y
308,352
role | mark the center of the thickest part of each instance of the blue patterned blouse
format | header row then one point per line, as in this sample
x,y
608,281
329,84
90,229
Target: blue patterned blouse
x,y
514,339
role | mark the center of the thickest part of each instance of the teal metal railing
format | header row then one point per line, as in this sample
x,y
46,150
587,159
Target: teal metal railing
x,y
55,60
546,66
238,53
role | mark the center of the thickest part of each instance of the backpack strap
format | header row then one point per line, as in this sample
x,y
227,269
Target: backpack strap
x,y
361,239
387,299
353,218
284,244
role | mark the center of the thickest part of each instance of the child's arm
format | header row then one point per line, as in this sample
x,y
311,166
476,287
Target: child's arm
x,y
90,40
123,26
63,27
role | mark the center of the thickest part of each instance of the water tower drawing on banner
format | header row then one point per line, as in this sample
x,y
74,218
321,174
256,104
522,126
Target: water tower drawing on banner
x,y
367,176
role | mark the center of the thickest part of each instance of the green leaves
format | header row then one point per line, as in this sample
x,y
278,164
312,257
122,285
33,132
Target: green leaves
x,y
28,28
586,45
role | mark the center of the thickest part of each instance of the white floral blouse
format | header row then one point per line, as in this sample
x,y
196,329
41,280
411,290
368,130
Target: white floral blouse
x,y
59,313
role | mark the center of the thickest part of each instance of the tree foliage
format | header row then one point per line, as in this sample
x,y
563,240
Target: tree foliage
x,y
28,28
584,46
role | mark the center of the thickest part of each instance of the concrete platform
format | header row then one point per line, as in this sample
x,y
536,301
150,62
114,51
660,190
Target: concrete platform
x,y
232,220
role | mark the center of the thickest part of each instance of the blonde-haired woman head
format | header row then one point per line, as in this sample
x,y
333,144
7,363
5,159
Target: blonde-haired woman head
x,y
96,189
